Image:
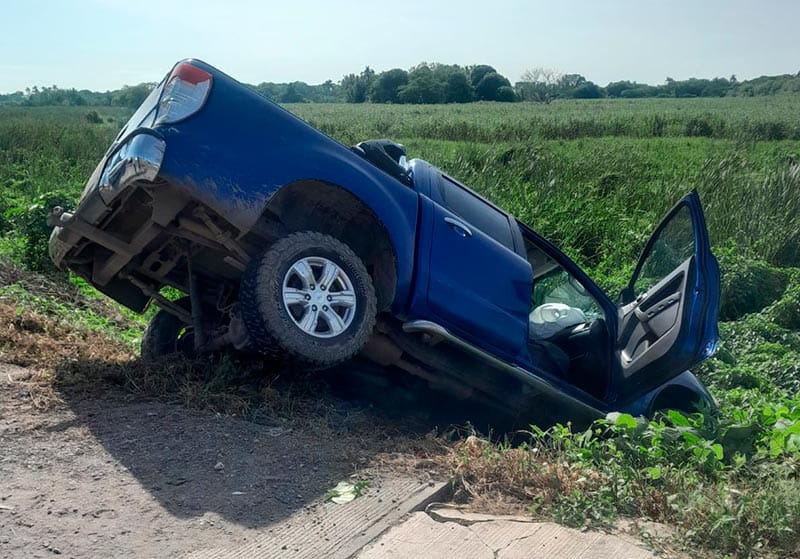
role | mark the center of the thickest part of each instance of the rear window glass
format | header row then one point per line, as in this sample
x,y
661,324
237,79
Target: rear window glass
x,y
146,109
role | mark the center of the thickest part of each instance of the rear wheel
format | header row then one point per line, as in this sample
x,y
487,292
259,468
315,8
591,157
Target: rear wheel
x,y
309,298
167,335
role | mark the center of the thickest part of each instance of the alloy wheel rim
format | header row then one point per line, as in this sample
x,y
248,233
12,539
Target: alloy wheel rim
x,y
319,297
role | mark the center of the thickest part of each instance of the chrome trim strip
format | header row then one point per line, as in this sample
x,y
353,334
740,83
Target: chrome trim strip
x,y
428,327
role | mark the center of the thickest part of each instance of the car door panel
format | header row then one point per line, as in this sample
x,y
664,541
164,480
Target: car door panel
x,y
476,286
669,310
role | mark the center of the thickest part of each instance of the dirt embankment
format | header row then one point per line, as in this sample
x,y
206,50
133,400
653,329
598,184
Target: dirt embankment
x,y
103,455
121,476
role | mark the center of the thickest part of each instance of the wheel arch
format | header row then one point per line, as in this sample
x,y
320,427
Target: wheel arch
x,y
324,207
681,398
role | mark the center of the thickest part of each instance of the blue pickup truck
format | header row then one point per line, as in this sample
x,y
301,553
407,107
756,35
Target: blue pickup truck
x,y
291,244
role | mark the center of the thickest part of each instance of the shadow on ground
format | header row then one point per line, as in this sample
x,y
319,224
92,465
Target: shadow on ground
x,y
298,437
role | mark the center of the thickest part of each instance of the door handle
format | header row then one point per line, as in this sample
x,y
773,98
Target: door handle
x,y
458,226
644,316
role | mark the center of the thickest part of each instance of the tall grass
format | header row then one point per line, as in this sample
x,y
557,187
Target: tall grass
x,y
747,119
595,177
599,198
47,148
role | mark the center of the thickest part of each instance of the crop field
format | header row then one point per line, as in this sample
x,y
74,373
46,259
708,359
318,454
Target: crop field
x,y
595,177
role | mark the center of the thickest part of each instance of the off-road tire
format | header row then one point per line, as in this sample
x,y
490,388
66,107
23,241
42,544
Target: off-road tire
x,y
162,337
269,325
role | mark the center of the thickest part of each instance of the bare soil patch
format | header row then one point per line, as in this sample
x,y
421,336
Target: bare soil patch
x,y
120,475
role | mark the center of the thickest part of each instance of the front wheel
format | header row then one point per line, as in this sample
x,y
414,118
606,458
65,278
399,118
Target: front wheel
x,y
310,298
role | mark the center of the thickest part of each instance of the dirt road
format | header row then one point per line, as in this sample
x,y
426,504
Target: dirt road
x,y
119,476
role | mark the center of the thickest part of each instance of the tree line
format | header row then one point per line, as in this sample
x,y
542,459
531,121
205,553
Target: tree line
x,y
435,83
127,96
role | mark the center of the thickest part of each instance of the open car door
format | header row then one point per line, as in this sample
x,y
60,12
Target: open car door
x,y
669,310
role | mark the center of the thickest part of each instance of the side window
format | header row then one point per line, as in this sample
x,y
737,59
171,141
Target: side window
x,y
475,211
558,300
558,286
673,245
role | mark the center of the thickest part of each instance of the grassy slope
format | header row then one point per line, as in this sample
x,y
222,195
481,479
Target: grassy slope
x,y
730,484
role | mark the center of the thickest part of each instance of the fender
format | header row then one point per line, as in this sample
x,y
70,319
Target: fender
x,y
239,181
246,148
686,382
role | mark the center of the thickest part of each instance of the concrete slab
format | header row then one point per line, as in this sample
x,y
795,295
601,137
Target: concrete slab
x,y
326,529
454,533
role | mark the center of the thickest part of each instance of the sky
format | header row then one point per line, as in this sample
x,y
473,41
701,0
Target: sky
x,y
104,44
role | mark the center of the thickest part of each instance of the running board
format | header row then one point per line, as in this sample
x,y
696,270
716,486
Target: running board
x,y
527,377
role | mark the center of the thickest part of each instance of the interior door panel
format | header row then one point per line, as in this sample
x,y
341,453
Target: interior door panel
x,y
668,312
650,324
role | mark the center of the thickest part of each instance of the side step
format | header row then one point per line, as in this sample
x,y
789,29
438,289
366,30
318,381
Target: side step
x,y
538,383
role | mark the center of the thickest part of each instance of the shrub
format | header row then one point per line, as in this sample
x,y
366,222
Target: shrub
x,y
505,94
31,226
748,285
93,118
698,126
489,86
786,311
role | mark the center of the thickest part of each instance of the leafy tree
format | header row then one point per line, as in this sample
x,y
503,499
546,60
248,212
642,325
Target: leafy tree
x,y
458,89
422,86
132,95
641,90
270,90
588,90
571,81
436,83
615,89
328,91
505,93
292,95
477,73
53,96
299,92
386,87
490,83
454,82
356,87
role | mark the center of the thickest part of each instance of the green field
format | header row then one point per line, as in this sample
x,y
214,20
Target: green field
x,y
595,177
735,118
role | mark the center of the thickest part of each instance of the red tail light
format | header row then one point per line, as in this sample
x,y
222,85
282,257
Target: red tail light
x,y
184,94
189,73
